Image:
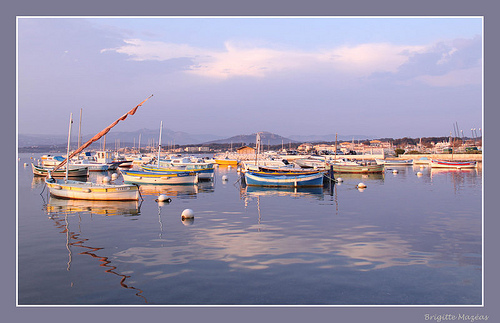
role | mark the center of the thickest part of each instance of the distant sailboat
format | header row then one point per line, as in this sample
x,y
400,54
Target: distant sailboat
x,y
70,189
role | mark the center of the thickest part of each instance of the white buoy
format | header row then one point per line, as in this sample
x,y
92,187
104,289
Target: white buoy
x,y
224,177
114,176
340,180
163,198
105,179
187,214
394,171
361,185
229,166
419,173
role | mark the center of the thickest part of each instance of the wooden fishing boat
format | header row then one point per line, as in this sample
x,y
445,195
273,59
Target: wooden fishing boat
x,y
283,179
71,189
452,164
150,177
179,165
394,162
285,171
422,161
77,190
73,171
226,162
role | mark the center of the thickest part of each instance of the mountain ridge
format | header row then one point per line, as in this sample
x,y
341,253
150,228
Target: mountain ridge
x,y
170,137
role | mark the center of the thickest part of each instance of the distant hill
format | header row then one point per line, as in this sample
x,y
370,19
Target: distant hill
x,y
266,138
329,138
147,136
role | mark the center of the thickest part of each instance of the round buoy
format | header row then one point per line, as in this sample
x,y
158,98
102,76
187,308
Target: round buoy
x,y
340,180
105,179
394,171
187,214
361,185
163,198
229,166
224,177
419,174
114,176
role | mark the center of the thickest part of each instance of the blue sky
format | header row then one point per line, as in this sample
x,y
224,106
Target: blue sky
x,y
384,76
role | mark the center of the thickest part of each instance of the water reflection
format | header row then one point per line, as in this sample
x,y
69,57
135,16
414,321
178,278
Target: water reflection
x,y
296,192
179,191
75,239
378,177
108,208
458,177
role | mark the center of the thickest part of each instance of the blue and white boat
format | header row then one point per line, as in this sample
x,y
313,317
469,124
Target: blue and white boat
x,y
284,179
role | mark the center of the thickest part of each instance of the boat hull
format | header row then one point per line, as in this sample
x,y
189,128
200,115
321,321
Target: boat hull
x,y
356,169
287,180
226,162
92,191
390,162
159,178
452,164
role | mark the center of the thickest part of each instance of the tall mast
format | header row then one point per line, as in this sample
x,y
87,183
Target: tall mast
x,y
159,143
80,129
69,140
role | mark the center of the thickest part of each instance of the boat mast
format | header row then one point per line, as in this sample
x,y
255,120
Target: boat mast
x,y
159,144
80,129
69,140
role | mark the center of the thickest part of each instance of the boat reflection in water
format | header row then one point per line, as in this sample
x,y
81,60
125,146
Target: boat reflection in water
x,y
458,177
107,208
371,176
60,210
180,191
254,191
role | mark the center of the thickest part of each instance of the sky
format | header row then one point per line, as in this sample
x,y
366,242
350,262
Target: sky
x,y
386,77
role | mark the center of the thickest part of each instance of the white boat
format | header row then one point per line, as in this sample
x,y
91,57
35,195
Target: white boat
x,y
394,162
51,161
65,188
452,164
422,161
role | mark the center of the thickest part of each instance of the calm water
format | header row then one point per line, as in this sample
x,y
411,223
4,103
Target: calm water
x,y
404,240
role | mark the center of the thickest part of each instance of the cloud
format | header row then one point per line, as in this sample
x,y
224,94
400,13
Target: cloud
x,y
446,63
433,64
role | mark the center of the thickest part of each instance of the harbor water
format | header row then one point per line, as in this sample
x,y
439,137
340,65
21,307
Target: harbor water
x,y
406,239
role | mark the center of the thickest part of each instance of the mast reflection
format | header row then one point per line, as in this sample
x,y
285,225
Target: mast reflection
x,y
59,212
